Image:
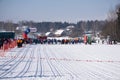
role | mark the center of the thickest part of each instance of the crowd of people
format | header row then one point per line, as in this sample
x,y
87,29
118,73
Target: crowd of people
x,y
20,42
66,41
50,41
57,41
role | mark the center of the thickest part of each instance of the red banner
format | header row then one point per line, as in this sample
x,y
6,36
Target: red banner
x,y
25,36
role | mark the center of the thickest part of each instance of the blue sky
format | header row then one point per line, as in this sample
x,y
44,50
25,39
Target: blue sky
x,y
55,10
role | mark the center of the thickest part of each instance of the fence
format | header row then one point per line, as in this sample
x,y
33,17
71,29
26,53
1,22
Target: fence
x,y
6,47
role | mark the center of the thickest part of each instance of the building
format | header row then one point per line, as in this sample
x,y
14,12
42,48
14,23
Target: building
x,y
59,33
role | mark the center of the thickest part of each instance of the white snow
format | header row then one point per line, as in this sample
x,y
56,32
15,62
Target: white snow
x,y
59,32
47,33
61,62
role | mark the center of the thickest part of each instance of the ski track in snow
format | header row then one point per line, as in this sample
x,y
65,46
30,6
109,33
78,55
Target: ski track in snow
x,y
59,62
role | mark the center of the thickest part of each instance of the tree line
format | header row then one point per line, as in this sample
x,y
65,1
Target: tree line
x,y
43,27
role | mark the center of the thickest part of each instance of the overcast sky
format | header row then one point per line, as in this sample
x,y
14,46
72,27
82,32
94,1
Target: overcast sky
x,y
55,10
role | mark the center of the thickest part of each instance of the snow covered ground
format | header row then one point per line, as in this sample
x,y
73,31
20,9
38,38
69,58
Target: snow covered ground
x,y
61,62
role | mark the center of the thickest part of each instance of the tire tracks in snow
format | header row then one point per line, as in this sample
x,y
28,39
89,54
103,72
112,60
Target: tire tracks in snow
x,y
73,75
3,75
26,67
102,69
7,63
39,69
52,67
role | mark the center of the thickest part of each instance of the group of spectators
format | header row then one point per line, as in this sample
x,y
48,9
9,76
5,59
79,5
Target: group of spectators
x,y
54,41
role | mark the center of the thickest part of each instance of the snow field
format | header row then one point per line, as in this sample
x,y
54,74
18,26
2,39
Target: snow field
x,y
61,62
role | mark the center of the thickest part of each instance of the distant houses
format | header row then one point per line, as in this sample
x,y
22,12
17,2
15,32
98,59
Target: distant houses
x,y
60,32
57,33
68,31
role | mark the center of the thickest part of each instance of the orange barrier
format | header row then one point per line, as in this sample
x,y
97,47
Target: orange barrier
x,y
7,47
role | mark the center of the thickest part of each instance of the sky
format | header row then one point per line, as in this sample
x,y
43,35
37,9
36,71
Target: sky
x,y
55,10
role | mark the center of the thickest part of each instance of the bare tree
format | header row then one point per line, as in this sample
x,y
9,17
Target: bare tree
x,y
112,26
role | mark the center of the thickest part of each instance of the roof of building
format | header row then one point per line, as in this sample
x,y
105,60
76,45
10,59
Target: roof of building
x,y
47,33
60,31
